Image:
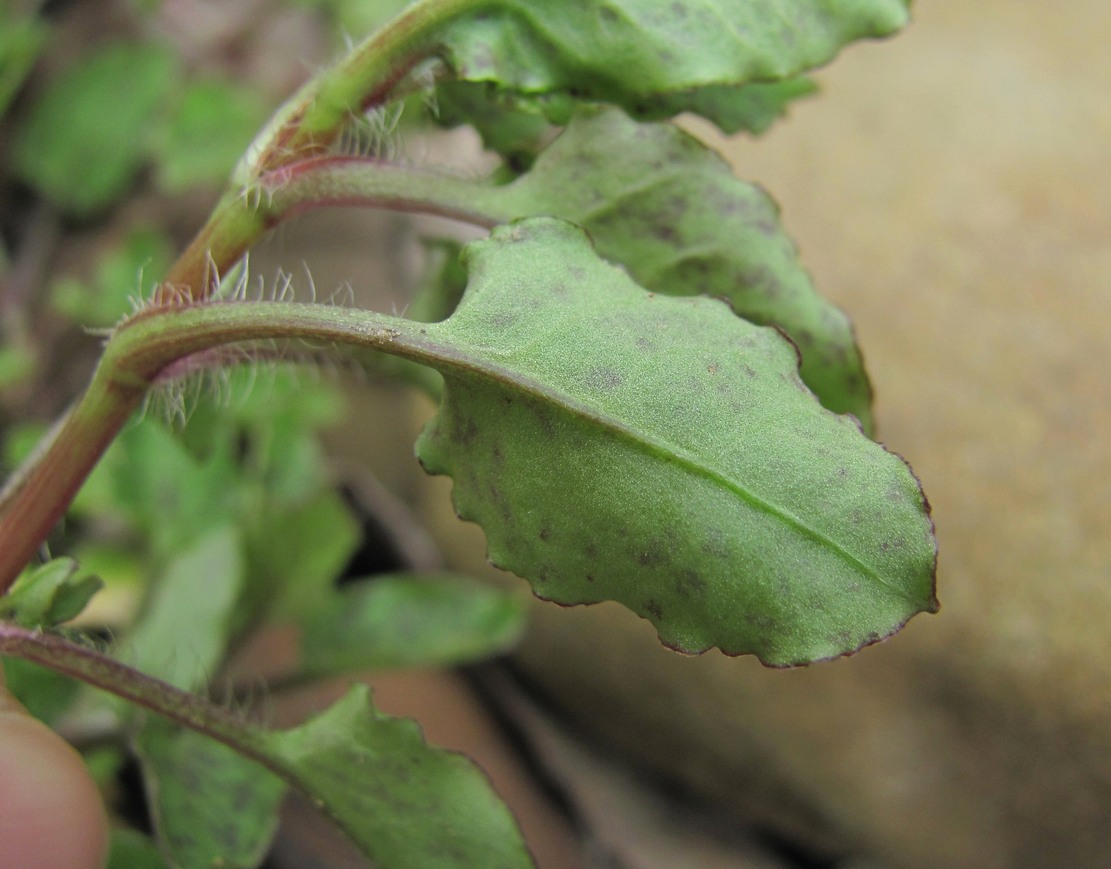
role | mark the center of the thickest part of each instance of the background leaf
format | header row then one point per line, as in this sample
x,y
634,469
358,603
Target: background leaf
x,y
670,210
22,38
297,553
407,621
87,136
183,633
648,57
661,452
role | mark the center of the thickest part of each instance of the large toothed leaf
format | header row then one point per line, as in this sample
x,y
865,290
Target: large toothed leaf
x,y
645,55
669,209
662,452
401,801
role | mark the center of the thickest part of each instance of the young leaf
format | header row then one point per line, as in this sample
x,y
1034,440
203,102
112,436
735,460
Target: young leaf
x,y
407,621
50,594
210,805
647,56
661,452
670,210
402,802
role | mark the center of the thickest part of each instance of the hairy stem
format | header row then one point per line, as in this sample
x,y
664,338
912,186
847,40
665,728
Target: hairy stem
x,y
287,168
142,349
307,126
329,181
190,710
33,502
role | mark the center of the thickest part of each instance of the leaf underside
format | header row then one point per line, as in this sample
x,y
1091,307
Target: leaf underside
x,y
656,59
661,452
670,210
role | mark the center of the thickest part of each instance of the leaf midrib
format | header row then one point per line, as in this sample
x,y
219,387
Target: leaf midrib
x,y
660,447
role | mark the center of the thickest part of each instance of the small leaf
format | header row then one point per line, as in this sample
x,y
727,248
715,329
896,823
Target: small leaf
x,y
646,56
403,803
50,594
407,621
86,137
141,480
182,635
211,806
670,210
661,452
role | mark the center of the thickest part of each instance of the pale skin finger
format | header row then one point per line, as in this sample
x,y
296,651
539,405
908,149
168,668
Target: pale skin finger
x,y
51,814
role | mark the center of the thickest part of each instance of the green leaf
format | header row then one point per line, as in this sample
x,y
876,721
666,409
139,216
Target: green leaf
x,y
407,621
149,479
214,122
47,695
297,553
49,594
670,210
210,805
661,452
183,633
130,849
272,418
752,108
402,802
86,137
516,132
646,56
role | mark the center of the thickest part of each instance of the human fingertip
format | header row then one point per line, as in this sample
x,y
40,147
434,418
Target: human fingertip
x,y
51,812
